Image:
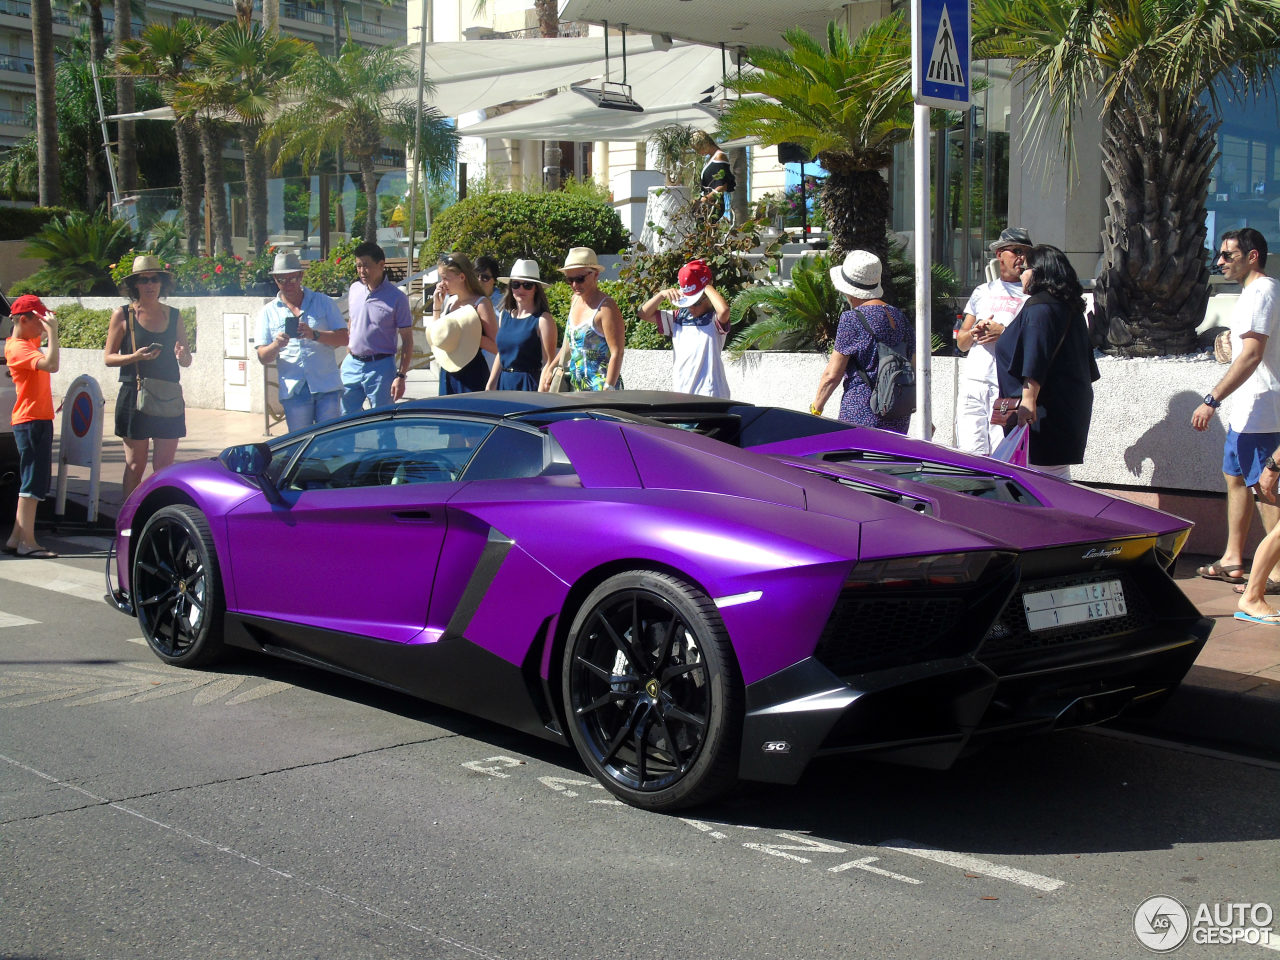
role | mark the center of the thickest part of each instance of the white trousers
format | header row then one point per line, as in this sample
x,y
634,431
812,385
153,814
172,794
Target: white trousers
x,y
975,433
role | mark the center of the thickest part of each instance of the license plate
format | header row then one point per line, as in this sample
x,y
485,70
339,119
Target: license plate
x,y
1047,609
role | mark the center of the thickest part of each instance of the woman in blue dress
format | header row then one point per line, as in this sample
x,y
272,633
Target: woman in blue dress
x,y
526,330
858,278
460,287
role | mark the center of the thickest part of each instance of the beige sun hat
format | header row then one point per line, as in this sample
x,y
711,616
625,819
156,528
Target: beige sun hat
x,y
525,270
455,338
286,263
581,258
859,275
147,263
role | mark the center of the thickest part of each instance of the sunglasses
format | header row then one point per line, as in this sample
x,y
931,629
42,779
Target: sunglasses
x,y
1228,256
522,285
148,280
485,276
580,278
290,278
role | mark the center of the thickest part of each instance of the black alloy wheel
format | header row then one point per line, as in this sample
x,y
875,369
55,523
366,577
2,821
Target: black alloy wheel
x,y
177,588
652,691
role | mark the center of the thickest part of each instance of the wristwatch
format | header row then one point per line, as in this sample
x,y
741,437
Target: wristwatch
x,y
1270,464
1211,401
399,376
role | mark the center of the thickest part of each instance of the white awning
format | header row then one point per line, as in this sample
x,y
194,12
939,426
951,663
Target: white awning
x,y
156,113
668,83
574,115
473,74
735,23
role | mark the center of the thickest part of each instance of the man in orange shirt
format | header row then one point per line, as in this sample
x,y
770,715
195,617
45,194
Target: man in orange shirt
x,y
30,367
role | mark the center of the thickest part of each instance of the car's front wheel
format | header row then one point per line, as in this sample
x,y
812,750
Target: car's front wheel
x,y
652,692
177,587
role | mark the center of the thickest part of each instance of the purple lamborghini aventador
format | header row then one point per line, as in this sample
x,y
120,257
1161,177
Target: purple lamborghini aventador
x,y
690,591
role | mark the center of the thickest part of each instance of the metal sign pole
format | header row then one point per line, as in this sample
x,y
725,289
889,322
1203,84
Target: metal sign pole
x,y
940,31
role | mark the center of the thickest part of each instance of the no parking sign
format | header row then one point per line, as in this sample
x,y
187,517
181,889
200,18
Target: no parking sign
x,y
80,444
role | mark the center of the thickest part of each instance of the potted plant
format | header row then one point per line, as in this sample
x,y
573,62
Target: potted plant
x,y
667,215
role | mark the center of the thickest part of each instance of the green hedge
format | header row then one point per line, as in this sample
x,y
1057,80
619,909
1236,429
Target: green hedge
x,y
80,328
20,223
537,226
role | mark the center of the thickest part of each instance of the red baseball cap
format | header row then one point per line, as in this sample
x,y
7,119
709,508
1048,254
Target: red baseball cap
x,y
28,303
693,279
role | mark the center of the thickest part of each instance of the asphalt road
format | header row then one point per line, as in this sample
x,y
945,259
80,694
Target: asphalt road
x,y
264,810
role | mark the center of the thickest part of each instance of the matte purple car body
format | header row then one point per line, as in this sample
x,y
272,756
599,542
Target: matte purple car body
x,y
804,535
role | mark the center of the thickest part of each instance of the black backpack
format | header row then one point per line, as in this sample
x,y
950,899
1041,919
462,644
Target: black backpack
x,y
893,395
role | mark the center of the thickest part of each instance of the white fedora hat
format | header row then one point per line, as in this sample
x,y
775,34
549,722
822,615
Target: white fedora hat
x,y
581,258
525,270
455,338
859,275
286,263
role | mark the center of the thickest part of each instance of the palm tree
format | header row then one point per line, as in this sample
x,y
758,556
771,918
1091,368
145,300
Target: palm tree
x,y
355,101
165,54
1145,66
848,105
46,102
241,71
97,30
126,132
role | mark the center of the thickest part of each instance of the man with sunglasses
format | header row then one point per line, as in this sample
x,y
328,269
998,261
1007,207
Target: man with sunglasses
x,y
1253,383
300,332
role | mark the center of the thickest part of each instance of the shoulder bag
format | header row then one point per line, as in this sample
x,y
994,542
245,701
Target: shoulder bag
x,y
561,382
156,397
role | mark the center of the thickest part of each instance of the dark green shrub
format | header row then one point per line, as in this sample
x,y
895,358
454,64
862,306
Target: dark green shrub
x,y
335,275
78,249
19,223
80,328
222,275
538,226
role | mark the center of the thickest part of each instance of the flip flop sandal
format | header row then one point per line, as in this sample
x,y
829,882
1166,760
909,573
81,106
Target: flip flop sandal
x,y
1271,621
39,553
1215,571
1273,587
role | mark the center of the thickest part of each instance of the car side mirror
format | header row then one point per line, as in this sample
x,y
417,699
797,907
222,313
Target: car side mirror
x,y
252,460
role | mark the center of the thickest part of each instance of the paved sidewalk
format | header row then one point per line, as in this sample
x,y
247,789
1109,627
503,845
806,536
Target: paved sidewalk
x,y
1231,697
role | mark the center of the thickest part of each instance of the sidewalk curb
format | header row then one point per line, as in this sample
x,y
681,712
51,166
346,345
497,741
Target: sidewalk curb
x,y
1231,711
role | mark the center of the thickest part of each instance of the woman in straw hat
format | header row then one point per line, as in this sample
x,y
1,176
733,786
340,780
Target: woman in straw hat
x,y
867,322
460,287
526,330
146,338
594,335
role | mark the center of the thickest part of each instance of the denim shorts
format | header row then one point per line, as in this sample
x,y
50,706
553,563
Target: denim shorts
x,y
1243,453
34,440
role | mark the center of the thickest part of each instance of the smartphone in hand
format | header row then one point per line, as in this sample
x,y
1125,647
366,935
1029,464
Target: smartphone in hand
x,y
291,327
155,347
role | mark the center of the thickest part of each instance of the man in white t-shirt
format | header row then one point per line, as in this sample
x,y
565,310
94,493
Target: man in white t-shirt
x,y
697,327
1253,384
990,309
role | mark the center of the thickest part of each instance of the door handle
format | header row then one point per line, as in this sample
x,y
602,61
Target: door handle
x,y
412,516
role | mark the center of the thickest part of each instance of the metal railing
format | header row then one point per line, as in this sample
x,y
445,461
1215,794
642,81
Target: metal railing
x,y
16,64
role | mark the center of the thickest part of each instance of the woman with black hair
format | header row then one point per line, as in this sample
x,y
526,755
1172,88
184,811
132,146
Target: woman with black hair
x,y
1044,356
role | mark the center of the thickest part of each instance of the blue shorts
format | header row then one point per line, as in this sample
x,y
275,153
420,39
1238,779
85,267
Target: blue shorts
x,y
1243,453
34,440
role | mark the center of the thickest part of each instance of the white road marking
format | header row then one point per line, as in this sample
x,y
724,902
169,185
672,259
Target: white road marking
x,y
59,577
562,784
706,828
13,620
800,844
975,865
865,864
232,851
493,766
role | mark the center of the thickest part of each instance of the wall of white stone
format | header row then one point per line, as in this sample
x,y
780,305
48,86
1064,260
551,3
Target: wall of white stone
x,y
1140,435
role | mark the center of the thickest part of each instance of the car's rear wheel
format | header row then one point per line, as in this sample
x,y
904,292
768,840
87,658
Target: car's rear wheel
x,y
652,692
177,587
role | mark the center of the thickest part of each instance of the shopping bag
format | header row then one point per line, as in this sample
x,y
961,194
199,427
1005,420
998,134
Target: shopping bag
x,y
1013,448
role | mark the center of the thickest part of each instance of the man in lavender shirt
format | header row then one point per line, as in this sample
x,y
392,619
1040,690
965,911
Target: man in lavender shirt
x,y
378,311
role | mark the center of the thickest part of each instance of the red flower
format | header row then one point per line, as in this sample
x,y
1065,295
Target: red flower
x,y
238,257
336,261
204,276
218,268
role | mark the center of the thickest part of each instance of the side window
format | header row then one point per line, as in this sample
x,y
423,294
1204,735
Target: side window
x,y
280,459
508,454
388,452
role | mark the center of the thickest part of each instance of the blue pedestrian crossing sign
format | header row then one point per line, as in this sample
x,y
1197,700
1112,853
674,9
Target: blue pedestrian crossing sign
x,y
940,53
